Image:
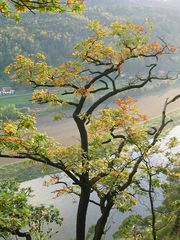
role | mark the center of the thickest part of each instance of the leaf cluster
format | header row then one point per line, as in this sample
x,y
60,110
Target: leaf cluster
x,y
17,214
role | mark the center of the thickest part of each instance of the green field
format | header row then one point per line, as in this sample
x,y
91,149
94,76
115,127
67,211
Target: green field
x,y
24,171
23,99
20,100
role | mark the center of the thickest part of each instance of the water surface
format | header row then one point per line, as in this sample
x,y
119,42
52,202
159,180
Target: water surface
x,y
68,204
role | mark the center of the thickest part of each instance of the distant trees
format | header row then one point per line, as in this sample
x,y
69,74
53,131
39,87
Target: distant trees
x,y
44,34
56,31
16,39
114,142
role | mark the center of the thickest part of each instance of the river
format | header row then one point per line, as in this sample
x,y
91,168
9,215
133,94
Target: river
x,y
44,195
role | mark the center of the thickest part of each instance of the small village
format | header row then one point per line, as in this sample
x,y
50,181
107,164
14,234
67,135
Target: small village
x,y
7,91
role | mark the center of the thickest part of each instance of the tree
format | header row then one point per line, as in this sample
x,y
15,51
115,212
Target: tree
x,y
16,214
13,7
8,112
169,211
159,221
164,219
113,142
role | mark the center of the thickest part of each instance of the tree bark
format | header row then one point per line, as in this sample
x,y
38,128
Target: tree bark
x,y
101,223
152,208
25,235
84,179
82,212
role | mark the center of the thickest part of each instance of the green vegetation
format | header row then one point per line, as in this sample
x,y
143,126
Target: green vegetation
x,y
18,218
9,111
24,171
13,8
20,100
55,35
167,216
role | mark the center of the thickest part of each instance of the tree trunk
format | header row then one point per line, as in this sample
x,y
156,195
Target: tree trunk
x,y
84,179
101,223
25,235
82,212
152,208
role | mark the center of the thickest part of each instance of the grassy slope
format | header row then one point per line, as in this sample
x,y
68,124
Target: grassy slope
x,y
24,171
21,100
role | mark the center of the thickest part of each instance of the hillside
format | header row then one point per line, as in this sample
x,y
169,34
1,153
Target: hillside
x,y
55,35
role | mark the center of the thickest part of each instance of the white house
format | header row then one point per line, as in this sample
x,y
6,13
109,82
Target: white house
x,y
7,91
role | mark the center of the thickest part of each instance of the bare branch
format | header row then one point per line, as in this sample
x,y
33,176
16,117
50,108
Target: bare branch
x,y
102,88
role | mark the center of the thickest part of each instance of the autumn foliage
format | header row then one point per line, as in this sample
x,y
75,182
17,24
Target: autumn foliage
x,y
115,142
13,8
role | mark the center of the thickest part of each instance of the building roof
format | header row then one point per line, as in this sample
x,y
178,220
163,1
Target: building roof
x,y
7,89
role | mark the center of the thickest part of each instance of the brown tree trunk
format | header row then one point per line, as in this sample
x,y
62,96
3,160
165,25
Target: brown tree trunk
x,y
152,208
25,235
84,179
101,223
81,214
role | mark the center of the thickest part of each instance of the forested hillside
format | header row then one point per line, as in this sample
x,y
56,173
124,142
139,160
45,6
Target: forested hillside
x,y
55,35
